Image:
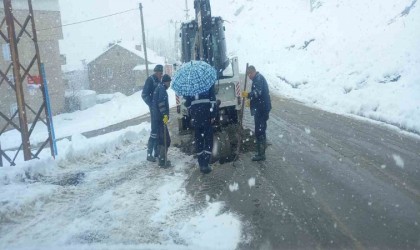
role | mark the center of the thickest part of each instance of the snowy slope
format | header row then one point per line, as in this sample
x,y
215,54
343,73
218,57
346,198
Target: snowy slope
x,y
361,57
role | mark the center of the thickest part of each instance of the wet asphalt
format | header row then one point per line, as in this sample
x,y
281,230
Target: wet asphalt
x,y
329,182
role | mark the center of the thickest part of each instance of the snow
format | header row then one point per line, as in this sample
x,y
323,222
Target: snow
x,y
101,193
118,109
152,56
82,92
398,160
251,182
358,58
234,187
362,57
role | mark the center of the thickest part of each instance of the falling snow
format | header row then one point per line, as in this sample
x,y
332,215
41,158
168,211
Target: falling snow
x,y
398,160
234,187
251,182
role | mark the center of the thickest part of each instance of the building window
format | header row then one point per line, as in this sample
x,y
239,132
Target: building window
x,y
109,73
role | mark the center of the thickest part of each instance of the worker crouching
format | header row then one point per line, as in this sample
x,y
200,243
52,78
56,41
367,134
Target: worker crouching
x,y
202,108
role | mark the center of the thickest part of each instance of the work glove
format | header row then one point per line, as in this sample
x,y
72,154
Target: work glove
x,y
245,94
165,119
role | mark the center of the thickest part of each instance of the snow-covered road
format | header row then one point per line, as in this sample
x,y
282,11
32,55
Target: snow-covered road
x,y
109,197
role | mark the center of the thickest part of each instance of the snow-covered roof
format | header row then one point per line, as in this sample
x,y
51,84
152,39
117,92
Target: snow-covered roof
x,y
143,67
152,56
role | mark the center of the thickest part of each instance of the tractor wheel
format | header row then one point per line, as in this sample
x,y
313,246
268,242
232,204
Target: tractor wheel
x,y
222,150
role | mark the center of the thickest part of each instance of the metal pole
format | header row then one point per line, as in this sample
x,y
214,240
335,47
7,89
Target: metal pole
x,y
18,81
1,157
187,16
243,99
176,41
144,39
40,68
48,112
239,131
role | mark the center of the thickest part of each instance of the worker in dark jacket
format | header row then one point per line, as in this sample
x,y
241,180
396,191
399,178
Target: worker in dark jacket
x,y
147,94
160,111
260,108
202,108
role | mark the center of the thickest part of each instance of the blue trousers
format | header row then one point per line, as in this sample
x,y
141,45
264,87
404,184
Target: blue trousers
x,y
260,120
204,144
152,144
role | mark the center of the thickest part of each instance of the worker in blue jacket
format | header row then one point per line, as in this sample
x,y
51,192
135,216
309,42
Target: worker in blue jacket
x,y
160,111
202,108
260,104
147,94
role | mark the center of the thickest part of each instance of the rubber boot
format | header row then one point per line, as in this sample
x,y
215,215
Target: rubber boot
x,y
260,148
150,146
203,162
156,149
162,152
205,169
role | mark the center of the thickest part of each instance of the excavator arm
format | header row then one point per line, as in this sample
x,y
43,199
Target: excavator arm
x,y
204,38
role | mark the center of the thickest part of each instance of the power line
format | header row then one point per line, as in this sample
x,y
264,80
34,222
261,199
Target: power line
x,y
88,20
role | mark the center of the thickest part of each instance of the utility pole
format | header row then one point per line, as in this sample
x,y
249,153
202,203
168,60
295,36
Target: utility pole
x,y
41,72
23,122
187,16
23,68
314,4
144,40
176,38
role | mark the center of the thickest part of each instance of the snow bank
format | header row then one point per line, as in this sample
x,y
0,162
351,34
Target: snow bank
x,y
120,108
22,185
84,148
121,201
28,171
19,188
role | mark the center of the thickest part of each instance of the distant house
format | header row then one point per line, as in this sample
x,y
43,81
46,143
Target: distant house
x,y
121,68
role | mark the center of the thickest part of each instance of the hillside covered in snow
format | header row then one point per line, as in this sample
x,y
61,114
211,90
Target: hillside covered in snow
x,y
356,57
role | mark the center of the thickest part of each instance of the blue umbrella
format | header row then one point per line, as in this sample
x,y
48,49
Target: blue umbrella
x,y
193,78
